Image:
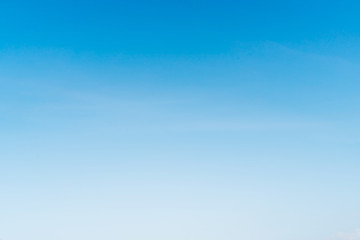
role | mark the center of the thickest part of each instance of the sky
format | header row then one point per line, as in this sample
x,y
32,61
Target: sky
x,y
179,120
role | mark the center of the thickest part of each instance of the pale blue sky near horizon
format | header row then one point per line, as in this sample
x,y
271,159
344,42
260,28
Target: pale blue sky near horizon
x,y
179,120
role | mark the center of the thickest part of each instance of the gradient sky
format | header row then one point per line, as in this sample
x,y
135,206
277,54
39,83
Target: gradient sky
x,y
174,120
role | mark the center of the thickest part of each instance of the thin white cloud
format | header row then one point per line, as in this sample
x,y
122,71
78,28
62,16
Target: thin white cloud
x,y
348,236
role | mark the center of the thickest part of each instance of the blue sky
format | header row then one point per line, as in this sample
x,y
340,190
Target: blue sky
x,y
179,120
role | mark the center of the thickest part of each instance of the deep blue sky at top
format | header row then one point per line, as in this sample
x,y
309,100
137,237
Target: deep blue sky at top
x,y
172,27
168,30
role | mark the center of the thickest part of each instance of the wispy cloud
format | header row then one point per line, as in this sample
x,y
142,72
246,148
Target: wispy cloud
x,y
348,236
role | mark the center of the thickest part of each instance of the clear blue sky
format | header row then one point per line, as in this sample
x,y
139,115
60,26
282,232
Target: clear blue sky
x,y
179,120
